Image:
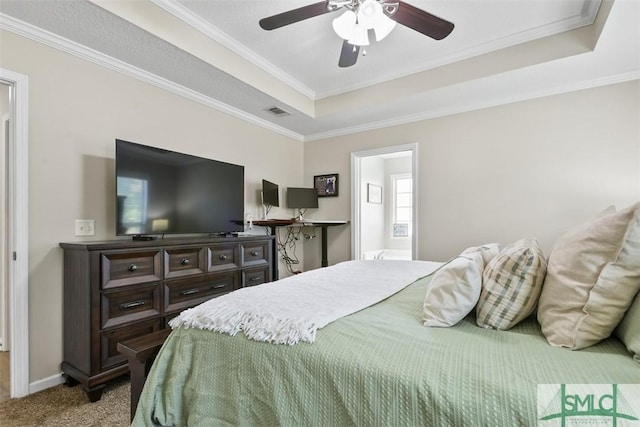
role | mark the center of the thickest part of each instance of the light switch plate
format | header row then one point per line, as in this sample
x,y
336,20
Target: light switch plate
x,y
85,227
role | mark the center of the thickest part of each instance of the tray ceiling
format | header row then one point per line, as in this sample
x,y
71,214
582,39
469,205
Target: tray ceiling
x,y
215,53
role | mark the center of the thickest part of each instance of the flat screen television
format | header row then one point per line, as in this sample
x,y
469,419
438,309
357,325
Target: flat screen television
x,y
165,192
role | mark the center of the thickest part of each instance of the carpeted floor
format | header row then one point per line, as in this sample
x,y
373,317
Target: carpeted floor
x,y
69,406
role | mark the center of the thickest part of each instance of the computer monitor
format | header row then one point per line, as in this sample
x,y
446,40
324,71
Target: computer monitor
x,y
302,198
270,193
269,196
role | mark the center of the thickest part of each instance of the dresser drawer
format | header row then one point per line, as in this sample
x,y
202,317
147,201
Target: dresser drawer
x,y
129,305
128,268
109,355
184,261
169,317
255,276
185,293
255,253
223,257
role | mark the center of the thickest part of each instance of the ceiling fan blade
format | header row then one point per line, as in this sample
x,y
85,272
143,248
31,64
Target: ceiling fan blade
x,y
294,15
421,21
348,54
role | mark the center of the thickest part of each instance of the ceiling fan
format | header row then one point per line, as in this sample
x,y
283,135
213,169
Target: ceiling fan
x,y
359,17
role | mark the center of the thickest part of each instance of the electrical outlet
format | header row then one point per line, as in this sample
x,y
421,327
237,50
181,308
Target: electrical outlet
x,y
85,227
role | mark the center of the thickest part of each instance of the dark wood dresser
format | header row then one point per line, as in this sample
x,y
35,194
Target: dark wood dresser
x,y
118,290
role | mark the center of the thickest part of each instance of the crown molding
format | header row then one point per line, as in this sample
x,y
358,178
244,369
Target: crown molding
x,y
585,18
184,14
435,113
65,45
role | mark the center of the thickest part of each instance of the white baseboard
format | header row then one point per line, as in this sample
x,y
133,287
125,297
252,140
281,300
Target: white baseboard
x,y
45,383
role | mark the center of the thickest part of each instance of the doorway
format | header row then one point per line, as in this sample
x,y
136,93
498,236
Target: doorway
x,y
384,204
15,227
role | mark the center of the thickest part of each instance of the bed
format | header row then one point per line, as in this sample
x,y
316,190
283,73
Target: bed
x,y
379,366
496,336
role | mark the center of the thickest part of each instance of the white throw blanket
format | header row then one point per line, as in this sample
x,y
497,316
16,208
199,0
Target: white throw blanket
x,y
291,310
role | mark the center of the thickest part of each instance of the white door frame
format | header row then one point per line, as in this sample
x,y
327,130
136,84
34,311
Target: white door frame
x,y
356,193
5,345
18,238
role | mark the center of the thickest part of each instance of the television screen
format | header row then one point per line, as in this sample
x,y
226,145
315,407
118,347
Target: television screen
x,y
270,193
302,198
161,191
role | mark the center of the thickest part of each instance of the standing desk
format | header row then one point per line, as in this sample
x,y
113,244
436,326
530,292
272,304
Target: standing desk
x,y
273,224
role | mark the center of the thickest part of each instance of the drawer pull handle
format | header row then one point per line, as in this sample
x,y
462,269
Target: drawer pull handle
x,y
222,257
254,253
185,261
253,279
219,286
132,268
129,305
190,291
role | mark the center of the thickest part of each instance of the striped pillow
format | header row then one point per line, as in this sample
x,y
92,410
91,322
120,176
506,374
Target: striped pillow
x,y
511,286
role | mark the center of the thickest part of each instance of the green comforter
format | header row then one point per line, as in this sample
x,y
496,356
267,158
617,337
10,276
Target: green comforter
x,y
377,367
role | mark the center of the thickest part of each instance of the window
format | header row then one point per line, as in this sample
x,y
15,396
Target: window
x,y
402,197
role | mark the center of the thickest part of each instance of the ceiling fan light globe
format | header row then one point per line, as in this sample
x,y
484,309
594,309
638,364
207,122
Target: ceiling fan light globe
x,y
344,25
369,12
383,27
360,36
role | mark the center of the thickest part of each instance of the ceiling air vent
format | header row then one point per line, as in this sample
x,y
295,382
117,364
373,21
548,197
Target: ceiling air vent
x,y
278,111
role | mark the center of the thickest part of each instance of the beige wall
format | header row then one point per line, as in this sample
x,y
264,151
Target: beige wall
x,y
76,110
532,168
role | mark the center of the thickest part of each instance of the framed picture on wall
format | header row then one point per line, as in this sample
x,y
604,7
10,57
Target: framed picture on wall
x,y
326,185
374,193
400,230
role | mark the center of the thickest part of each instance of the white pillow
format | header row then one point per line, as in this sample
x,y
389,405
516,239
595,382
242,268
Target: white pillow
x,y
453,291
592,278
488,251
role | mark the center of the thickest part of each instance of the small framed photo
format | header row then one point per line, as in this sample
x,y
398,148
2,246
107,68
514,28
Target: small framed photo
x,y
326,185
374,193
